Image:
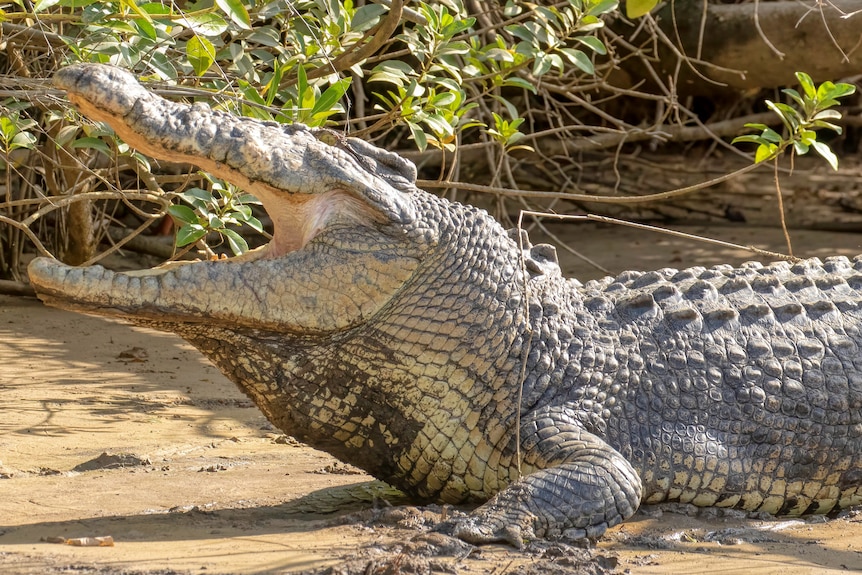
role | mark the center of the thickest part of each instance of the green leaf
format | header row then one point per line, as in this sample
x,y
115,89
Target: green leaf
x,y
23,140
827,115
449,83
765,152
159,63
366,16
439,125
201,54
42,5
794,95
597,8
444,99
807,85
145,28
523,33
808,136
593,43
66,133
237,12
206,24
155,9
542,64
266,36
511,108
189,234
214,222
638,8
194,195
750,138
274,83
579,59
418,135
251,94
499,55
789,116
330,97
827,125
237,244
249,220
392,71
517,82
827,154
246,198
94,143
183,214
454,48
829,91
304,92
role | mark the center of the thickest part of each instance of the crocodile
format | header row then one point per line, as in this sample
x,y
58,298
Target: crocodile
x,y
417,339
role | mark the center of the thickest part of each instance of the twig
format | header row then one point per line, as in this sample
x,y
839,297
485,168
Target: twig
x,y
117,245
760,31
8,287
528,342
29,233
587,197
586,259
61,202
615,221
781,207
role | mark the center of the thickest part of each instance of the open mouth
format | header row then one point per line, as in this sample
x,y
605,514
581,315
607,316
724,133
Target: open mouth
x,y
308,187
267,160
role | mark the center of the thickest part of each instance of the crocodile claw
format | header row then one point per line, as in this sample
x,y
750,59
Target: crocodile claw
x,y
473,530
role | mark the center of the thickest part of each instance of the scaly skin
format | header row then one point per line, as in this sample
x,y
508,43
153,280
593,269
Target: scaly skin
x,y
389,327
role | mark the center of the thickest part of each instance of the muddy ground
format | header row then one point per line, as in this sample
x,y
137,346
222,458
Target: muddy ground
x,y
112,431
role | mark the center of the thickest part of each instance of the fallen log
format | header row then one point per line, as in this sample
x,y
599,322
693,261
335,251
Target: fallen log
x,y
759,44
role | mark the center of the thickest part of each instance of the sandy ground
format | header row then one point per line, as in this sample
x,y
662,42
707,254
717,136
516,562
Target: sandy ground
x,y
109,430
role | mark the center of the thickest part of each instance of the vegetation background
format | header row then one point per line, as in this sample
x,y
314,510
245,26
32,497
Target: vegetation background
x,y
568,106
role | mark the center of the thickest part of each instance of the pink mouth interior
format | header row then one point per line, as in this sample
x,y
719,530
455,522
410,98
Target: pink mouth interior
x,y
299,218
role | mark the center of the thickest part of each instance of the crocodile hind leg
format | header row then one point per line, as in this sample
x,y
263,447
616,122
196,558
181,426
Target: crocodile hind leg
x,y
581,487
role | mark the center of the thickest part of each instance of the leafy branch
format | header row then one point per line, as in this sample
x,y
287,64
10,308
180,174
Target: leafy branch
x,y
801,124
813,112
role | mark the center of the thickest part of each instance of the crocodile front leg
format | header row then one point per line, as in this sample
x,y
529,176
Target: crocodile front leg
x,y
581,487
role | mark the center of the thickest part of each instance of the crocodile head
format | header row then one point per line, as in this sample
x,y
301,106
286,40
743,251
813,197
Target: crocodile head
x,y
346,231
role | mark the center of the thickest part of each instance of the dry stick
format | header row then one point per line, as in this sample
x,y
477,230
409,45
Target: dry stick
x,y
680,52
781,208
119,244
704,16
54,204
586,197
25,224
612,138
615,221
525,352
10,287
760,31
844,56
30,234
570,249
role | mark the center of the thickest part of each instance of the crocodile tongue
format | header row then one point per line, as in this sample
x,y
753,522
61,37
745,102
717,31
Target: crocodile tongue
x,y
306,185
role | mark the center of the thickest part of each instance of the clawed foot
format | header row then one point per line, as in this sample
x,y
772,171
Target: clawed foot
x,y
472,530
479,530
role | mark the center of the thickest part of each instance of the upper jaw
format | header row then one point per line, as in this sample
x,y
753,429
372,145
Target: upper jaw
x,y
272,161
